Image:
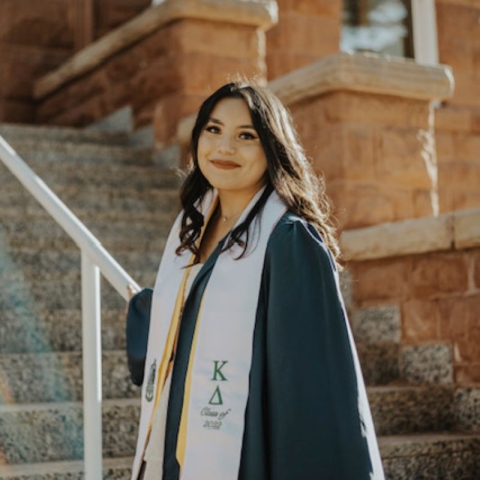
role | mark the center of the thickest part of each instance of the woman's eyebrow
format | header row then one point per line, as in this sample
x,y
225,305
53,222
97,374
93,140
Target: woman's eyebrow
x,y
219,122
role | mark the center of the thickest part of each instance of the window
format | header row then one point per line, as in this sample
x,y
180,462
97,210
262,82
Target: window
x,y
381,26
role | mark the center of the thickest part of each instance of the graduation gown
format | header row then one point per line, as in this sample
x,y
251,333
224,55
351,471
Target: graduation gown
x,y
307,414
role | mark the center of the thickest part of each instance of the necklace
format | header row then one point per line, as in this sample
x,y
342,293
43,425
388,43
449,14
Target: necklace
x,y
225,219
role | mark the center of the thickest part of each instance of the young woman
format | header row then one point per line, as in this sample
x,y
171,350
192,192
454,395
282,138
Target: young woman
x,y
251,371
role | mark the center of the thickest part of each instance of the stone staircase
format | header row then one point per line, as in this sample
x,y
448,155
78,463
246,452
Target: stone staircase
x,y
128,200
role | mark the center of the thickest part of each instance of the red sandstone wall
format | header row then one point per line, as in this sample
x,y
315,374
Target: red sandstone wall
x,y
35,37
439,297
458,121
110,14
307,31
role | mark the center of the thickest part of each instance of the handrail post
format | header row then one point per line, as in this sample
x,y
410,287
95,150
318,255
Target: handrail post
x,y
92,369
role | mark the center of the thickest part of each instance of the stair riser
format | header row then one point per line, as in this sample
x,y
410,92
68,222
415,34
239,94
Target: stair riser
x,y
53,152
407,410
56,433
54,262
59,378
114,176
379,362
57,331
124,203
17,134
120,237
452,460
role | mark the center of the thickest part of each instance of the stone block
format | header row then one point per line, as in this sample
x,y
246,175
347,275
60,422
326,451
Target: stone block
x,y
359,205
81,115
202,74
453,119
446,456
379,362
57,377
454,198
46,24
455,173
342,152
439,273
458,53
404,410
453,318
467,147
467,374
404,157
25,430
218,39
14,111
84,92
419,321
168,111
445,146
377,110
305,33
377,324
467,228
427,363
476,58
467,409
380,281
312,7
398,239
467,91
457,20
476,268
281,62
21,66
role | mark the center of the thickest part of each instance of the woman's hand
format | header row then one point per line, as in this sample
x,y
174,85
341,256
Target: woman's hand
x,y
131,291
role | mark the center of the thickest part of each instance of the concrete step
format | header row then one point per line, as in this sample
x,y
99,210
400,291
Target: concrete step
x,y
445,456
379,362
53,263
116,235
377,324
57,330
83,174
467,408
34,296
54,152
58,377
127,201
409,409
48,432
15,133
113,469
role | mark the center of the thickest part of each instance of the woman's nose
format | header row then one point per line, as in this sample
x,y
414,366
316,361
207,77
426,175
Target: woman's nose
x,y
226,145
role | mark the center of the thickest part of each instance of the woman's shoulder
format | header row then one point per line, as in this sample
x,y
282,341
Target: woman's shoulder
x,y
294,235
294,228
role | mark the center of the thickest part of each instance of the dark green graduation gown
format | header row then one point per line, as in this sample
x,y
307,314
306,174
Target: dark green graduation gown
x,y
304,419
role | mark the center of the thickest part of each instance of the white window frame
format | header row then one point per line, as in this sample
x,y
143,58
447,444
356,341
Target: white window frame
x,y
424,26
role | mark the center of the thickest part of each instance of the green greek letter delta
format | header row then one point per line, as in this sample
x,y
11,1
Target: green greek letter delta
x,y
216,397
217,370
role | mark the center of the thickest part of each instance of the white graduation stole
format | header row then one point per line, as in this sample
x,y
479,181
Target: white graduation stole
x,y
216,389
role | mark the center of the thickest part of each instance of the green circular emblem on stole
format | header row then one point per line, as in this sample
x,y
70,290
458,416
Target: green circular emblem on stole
x,y
150,382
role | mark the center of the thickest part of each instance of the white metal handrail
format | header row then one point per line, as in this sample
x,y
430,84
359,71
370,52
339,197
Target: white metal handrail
x,y
95,259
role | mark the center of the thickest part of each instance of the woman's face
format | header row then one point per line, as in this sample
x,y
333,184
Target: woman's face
x,y
230,154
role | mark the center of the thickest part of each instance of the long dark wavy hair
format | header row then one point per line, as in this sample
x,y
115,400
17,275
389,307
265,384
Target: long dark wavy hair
x,y
289,172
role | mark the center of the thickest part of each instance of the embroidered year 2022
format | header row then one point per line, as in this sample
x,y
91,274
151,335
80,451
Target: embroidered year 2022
x,y
215,411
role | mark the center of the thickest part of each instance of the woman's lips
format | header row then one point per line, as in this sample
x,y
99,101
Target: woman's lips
x,y
225,164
